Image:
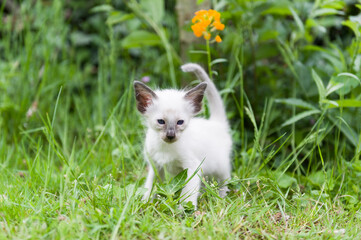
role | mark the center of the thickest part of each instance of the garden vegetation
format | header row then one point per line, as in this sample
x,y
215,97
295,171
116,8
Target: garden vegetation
x,y
71,164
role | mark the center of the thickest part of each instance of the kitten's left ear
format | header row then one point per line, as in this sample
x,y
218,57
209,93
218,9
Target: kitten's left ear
x,y
195,96
144,96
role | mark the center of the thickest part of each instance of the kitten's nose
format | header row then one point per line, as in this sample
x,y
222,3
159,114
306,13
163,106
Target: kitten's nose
x,y
170,134
170,137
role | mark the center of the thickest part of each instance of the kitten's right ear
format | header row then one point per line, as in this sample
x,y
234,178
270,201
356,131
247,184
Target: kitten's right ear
x,y
144,96
195,96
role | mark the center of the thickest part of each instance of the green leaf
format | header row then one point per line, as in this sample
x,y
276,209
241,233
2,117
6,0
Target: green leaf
x,y
139,39
285,181
311,23
345,128
348,80
353,26
250,114
349,75
277,10
296,102
198,52
268,35
154,9
356,165
226,91
297,20
319,194
313,137
330,55
356,19
116,17
317,178
330,103
177,182
102,8
346,103
332,87
300,116
320,86
218,60
325,12
334,4
80,38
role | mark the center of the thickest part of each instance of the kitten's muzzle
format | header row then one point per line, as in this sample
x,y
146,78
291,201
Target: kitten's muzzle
x,y
170,137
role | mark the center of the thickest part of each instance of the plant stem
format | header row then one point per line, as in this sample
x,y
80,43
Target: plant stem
x,y
239,60
356,49
209,60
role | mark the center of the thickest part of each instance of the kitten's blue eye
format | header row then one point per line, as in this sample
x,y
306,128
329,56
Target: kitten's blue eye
x,y
161,121
180,122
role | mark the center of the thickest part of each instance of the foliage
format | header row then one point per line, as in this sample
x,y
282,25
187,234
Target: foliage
x,y
71,141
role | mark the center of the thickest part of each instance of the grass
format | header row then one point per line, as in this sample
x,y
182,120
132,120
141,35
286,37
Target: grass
x,y
73,167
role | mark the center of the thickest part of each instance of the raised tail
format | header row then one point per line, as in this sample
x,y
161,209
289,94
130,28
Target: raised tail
x,y
216,106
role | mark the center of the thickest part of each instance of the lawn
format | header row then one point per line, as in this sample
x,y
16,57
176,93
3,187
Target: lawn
x,y
71,138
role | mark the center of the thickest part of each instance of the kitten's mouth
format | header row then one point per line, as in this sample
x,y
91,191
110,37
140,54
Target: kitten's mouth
x,y
169,140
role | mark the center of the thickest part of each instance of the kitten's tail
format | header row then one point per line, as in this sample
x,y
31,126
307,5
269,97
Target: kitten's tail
x,y
216,106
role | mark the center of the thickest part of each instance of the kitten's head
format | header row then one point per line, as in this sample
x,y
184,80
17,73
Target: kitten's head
x,y
169,111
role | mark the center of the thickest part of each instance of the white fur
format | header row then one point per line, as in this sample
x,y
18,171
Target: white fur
x,y
196,140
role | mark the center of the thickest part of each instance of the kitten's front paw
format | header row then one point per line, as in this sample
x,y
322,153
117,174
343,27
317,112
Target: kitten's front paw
x,y
223,191
146,196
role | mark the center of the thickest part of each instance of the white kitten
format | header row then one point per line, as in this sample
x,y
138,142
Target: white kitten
x,y
176,140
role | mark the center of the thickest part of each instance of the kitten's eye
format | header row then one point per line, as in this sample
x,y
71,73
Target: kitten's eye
x,y
180,122
161,121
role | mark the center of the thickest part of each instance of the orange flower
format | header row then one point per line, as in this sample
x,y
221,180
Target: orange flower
x,y
218,25
197,30
207,35
199,15
216,15
205,22
218,39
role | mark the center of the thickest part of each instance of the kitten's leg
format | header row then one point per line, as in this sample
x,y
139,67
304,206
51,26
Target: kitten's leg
x,y
223,181
190,191
148,183
223,191
150,180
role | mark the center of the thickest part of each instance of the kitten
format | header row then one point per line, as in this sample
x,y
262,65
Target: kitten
x,y
178,140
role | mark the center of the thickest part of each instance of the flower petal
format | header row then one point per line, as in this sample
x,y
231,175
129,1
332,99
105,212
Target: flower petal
x,y
218,39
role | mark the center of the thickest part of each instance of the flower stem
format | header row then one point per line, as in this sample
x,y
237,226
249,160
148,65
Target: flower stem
x,y
209,60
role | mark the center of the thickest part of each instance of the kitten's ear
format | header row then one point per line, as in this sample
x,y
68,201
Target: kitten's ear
x,y
144,96
195,96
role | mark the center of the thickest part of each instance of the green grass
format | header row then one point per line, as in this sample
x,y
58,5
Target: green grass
x,y
73,169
